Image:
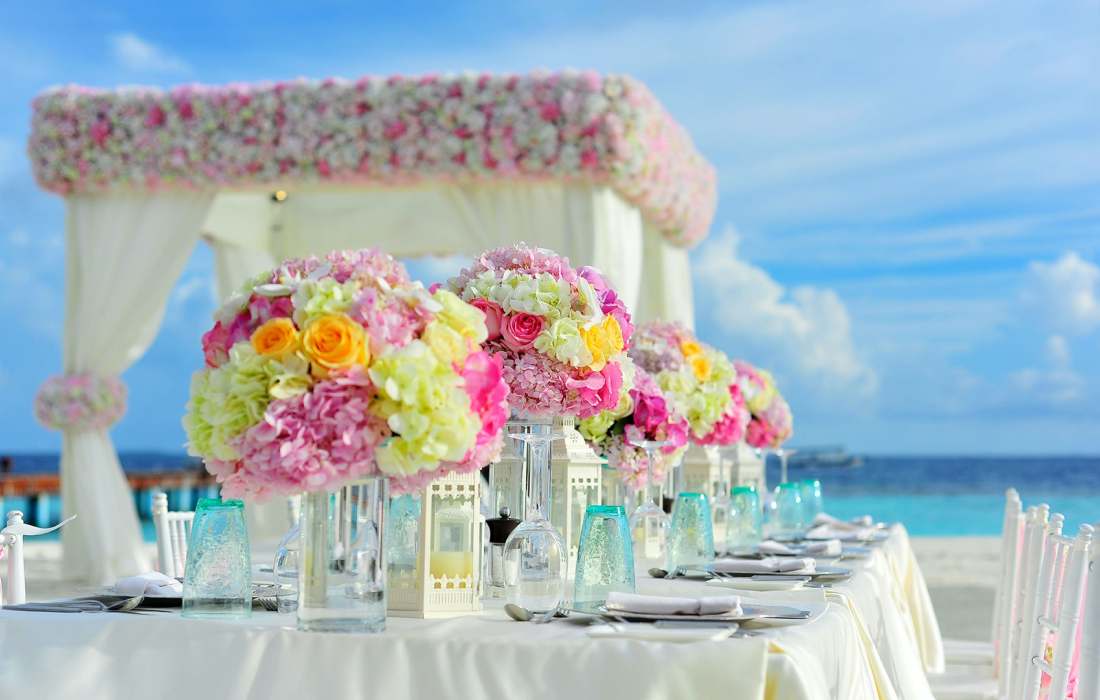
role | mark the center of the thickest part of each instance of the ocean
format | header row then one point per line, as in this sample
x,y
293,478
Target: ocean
x,y
933,496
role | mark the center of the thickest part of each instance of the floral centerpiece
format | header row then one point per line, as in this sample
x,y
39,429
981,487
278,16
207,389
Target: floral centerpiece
x,y
698,380
327,370
561,332
80,402
643,414
772,423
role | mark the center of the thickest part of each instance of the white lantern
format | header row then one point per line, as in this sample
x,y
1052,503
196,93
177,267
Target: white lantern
x,y
575,471
434,540
745,467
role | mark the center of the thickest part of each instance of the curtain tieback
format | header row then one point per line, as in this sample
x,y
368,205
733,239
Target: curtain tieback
x,y
81,401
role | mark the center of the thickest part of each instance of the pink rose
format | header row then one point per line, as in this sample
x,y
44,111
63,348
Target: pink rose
x,y
520,330
494,315
650,411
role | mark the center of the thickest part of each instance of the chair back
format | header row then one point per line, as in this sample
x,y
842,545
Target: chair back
x,y
1088,682
1036,627
173,536
1005,601
1034,541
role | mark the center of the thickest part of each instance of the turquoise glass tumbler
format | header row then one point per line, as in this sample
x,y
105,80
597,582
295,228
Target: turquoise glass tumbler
x,y
217,579
746,520
812,501
787,520
605,556
691,535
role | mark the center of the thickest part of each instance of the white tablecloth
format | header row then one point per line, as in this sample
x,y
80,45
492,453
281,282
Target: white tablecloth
x,y
872,640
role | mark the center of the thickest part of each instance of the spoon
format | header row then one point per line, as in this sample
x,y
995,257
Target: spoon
x,y
522,614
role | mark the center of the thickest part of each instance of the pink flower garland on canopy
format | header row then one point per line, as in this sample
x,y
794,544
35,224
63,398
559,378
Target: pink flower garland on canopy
x,y
560,332
569,126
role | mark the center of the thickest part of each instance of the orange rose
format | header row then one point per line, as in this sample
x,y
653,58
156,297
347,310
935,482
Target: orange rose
x,y
277,337
334,341
690,348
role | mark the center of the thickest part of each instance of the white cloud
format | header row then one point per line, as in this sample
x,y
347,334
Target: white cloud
x,y
1063,295
1058,352
805,331
139,55
436,268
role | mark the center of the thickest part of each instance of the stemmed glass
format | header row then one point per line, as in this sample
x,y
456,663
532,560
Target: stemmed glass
x,y
649,524
535,557
720,510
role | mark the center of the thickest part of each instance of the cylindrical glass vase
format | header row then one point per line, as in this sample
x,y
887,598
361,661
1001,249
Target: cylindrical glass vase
x,y
342,562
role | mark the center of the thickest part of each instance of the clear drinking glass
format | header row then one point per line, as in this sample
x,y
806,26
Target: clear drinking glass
x,y
605,558
284,571
720,505
649,523
342,564
787,517
812,501
535,555
691,537
217,580
746,527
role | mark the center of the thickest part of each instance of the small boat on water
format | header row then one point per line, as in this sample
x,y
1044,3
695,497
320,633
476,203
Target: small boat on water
x,y
831,456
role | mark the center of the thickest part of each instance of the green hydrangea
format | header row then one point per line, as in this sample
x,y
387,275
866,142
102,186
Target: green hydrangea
x,y
230,399
423,401
320,297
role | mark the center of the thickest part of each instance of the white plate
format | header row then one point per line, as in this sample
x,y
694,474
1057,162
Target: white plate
x,y
749,612
764,584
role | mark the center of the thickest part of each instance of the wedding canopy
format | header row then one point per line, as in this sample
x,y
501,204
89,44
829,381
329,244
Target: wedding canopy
x,y
591,166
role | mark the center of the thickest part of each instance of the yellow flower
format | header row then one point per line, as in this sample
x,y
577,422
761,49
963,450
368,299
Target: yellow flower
x,y
700,365
448,344
275,338
604,341
334,341
690,348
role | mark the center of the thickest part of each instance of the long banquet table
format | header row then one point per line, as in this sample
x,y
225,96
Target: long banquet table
x,y
873,637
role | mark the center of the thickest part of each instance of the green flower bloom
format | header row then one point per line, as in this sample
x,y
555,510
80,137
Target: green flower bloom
x,y
325,296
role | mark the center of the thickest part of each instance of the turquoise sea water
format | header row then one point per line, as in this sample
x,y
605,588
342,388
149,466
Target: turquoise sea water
x,y
933,496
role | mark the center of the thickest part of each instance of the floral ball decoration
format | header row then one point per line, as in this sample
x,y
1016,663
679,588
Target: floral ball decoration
x,y
326,370
643,413
561,332
80,402
698,380
772,423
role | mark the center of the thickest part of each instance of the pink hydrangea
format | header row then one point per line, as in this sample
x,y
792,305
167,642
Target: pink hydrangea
x,y
517,258
313,442
730,428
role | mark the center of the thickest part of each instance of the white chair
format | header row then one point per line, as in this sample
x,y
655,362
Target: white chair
x,y
173,536
1061,586
1088,682
963,652
1035,533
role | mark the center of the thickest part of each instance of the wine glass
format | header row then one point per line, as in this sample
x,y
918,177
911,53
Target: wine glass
x,y
535,557
649,524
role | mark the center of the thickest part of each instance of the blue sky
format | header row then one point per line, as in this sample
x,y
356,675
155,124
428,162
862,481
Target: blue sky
x,y
909,222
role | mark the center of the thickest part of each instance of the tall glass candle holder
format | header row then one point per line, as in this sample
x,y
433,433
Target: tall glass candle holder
x,y
535,554
649,524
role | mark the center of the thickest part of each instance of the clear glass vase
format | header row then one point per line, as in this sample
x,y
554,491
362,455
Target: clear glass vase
x,y
342,563
535,555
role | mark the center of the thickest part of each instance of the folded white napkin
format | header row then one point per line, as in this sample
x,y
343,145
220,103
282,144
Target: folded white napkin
x,y
796,566
844,534
667,605
853,524
826,548
153,584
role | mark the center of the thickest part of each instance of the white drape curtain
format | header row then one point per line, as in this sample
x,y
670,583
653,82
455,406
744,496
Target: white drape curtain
x,y
123,254
590,225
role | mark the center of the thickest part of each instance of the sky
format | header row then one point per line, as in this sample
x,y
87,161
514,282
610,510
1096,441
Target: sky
x,y
908,229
